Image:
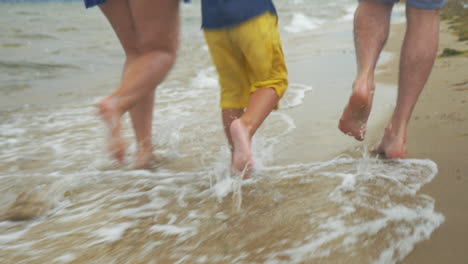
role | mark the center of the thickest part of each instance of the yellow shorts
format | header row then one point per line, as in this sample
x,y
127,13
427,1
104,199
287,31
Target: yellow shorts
x,y
248,57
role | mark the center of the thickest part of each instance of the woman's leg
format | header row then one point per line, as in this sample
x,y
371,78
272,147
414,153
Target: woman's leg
x,y
142,116
150,48
157,25
119,16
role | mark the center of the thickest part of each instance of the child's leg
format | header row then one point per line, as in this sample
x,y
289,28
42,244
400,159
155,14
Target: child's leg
x,y
261,103
229,115
260,43
233,78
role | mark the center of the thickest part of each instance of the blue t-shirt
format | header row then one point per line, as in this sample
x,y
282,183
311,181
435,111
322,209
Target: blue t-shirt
x,y
226,13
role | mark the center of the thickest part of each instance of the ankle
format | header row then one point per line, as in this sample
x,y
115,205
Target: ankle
x,y
145,145
247,124
364,80
396,131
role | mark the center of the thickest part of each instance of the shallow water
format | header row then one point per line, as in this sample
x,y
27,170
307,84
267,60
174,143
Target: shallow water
x,y
315,196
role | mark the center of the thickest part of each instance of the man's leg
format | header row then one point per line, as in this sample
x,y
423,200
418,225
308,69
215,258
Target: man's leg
x,y
371,28
417,58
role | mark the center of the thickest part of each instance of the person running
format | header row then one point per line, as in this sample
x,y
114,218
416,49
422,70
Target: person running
x,y
371,29
245,46
148,31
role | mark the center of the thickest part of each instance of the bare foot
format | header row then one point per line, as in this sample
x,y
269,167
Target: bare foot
x,y
111,118
242,157
391,146
144,159
354,118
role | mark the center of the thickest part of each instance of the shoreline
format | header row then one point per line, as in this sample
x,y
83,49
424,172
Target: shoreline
x,y
438,130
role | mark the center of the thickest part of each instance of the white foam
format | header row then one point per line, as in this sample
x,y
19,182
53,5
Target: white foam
x,y
422,231
9,130
65,258
109,233
6,238
206,79
302,23
145,210
223,187
171,229
294,95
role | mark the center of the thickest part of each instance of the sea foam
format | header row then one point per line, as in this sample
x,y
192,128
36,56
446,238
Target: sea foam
x,y
302,23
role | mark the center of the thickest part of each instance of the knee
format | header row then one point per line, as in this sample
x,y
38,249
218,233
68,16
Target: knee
x,y
165,58
165,53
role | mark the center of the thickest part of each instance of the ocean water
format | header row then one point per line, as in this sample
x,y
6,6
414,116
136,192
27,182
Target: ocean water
x,y
316,195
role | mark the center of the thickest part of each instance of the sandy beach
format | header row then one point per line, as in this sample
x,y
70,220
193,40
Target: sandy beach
x,y
439,131
317,195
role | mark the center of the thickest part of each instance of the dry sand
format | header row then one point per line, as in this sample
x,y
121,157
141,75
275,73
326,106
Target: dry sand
x,y
439,131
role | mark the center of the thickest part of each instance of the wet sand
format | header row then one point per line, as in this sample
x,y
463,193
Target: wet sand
x,y
439,131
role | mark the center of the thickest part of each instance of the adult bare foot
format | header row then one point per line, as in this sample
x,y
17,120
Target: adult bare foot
x,y
242,157
144,159
392,146
354,118
115,143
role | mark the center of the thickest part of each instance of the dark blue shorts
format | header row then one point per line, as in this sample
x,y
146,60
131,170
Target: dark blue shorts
x,y
91,3
421,4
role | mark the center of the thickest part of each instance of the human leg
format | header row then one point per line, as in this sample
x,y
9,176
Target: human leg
x,y
233,78
156,24
119,16
229,115
417,58
261,103
142,115
260,43
148,32
371,28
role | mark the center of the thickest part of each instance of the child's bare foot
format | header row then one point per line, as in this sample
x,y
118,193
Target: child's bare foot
x,y
354,118
242,156
111,118
391,146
